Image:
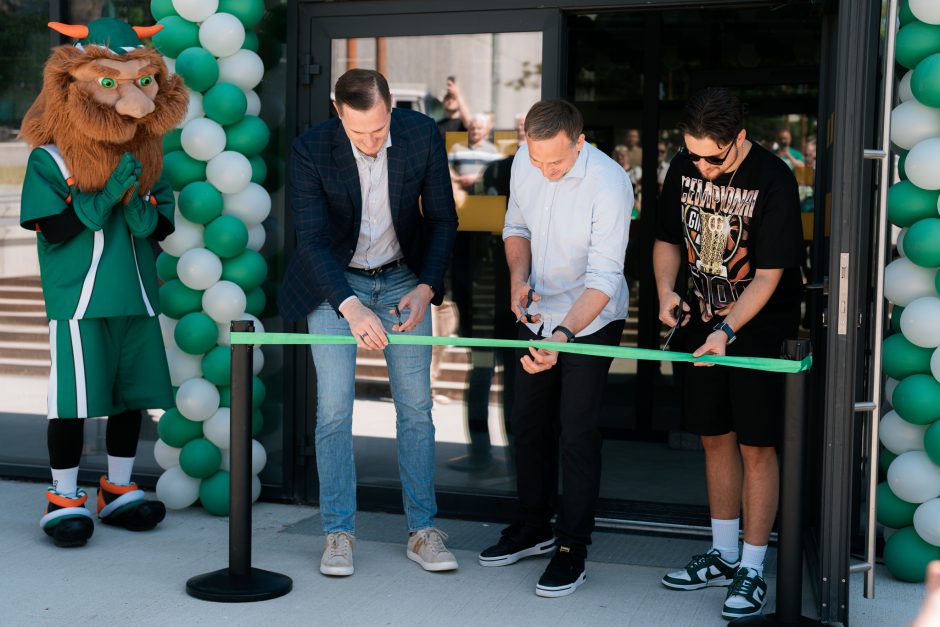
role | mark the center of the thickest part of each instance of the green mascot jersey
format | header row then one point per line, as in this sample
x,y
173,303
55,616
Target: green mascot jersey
x,y
96,274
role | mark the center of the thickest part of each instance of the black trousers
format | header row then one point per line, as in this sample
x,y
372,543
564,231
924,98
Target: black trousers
x,y
554,411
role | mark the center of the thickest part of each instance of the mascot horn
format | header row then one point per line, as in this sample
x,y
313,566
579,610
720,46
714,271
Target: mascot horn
x,y
95,198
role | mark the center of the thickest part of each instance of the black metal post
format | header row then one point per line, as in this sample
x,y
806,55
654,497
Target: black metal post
x,y
240,582
789,598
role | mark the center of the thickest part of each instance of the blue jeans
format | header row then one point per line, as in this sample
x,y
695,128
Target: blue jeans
x,y
410,378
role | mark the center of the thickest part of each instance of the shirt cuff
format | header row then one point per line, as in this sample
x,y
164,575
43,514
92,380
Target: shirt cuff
x,y
516,231
346,301
606,282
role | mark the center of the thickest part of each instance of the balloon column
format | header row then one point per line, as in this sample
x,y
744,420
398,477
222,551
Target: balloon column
x,y
909,501
210,266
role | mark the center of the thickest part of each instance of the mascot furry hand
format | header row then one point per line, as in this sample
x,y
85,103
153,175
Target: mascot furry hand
x,y
94,195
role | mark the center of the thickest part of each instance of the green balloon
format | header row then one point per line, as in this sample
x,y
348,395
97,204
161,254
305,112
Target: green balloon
x,y
901,358
160,9
896,312
925,81
251,41
256,300
247,270
902,159
166,266
257,422
890,510
258,392
248,136
172,141
196,333
217,366
908,203
885,459
225,396
214,493
177,300
225,103
177,35
259,169
176,430
907,555
905,14
200,202
932,443
200,458
917,399
181,169
915,42
198,68
249,12
922,243
226,236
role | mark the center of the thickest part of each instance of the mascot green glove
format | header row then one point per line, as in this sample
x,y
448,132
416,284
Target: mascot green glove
x,y
95,198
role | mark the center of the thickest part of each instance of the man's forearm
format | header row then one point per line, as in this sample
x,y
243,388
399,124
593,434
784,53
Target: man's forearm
x,y
753,298
585,310
518,258
666,261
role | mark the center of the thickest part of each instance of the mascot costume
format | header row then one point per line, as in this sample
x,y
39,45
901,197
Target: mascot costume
x,y
95,198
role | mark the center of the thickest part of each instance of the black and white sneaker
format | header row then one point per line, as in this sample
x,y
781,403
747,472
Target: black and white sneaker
x,y
517,542
702,571
746,595
564,573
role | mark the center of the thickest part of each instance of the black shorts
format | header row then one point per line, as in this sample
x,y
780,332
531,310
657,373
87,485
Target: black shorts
x,y
719,399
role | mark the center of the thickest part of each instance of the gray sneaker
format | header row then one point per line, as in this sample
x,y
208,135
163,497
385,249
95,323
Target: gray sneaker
x,y
426,547
337,557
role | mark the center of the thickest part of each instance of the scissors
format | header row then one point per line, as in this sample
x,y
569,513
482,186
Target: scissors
x,y
680,316
398,313
526,316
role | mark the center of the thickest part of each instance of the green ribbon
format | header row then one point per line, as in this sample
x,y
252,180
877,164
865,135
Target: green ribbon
x,y
617,352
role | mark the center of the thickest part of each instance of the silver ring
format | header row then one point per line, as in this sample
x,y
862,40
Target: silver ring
x,y
363,335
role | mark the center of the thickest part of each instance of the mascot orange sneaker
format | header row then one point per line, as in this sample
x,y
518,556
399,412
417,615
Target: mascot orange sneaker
x,y
67,521
126,506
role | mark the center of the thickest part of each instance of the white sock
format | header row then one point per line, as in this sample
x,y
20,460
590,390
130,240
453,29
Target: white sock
x,y
119,469
65,481
753,557
725,538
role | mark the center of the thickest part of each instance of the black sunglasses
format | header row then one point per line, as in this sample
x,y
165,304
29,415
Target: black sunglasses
x,y
712,159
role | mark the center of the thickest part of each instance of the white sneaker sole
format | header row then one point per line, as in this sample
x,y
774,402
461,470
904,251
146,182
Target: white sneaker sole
x,y
560,591
434,567
542,548
715,583
336,571
740,614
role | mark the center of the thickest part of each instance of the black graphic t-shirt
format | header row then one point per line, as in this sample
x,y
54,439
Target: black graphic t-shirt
x,y
730,232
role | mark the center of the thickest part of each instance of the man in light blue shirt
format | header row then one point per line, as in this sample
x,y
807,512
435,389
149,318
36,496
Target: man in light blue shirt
x,y
566,235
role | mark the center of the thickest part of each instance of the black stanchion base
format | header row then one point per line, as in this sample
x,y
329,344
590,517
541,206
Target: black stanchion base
x,y
223,587
768,620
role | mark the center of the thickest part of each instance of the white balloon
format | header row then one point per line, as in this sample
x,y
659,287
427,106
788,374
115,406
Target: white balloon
x,y
244,68
194,108
226,460
912,123
904,87
197,399
167,327
259,457
921,163
224,302
222,34
254,102
259,328
890,384
251,205
183,366
900,242
229,172
927,521
170,65
185,236
218,428
257,361
900,436
927,11
199,268
195,10
203,139
167,456
255,488
914,478
905,282
176,489
920,322
225,334
256,237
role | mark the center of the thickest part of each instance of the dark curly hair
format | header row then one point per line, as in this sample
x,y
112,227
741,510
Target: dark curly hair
x,y
714,113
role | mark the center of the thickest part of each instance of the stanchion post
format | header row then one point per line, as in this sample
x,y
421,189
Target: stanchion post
x,y
789,597
240,582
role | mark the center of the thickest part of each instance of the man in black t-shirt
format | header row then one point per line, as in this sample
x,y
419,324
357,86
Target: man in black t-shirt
x,y
730,209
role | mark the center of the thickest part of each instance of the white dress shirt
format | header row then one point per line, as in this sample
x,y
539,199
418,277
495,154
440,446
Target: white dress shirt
x,y
377,244
578,229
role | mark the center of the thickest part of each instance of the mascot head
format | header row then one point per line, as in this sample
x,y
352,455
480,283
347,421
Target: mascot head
x,y
106,95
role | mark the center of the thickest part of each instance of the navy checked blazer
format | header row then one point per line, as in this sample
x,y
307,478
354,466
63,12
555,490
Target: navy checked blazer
x,y
326,200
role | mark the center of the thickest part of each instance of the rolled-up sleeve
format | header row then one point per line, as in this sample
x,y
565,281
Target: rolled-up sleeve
x,y
610,232
515,224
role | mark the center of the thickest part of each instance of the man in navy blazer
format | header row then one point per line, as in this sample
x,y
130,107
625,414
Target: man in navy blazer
x,y
370,260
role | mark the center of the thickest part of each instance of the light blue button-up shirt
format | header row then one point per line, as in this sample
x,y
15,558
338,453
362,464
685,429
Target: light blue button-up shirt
x,y
578,228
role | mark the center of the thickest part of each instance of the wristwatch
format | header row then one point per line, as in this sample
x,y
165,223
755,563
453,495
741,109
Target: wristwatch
x,y
566,332
723,326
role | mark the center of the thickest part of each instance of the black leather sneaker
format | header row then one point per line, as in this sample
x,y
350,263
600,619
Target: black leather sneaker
x,y
517,542
564,573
